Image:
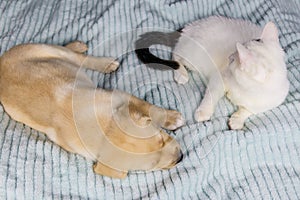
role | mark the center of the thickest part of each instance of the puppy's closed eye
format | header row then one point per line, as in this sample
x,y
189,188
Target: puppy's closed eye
x,y
160,140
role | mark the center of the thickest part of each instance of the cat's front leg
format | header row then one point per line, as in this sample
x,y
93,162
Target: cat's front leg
x,y
214,91
238,118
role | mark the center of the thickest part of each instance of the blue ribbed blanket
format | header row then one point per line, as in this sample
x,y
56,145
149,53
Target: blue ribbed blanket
x,y
262,161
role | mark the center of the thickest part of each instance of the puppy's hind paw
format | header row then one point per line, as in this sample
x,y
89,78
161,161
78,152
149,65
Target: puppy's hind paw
x,y
112,66
77,46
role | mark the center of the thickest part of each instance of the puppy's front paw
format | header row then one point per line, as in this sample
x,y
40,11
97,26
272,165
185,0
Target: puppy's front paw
x,y
140,119
236,122
112,66
174,120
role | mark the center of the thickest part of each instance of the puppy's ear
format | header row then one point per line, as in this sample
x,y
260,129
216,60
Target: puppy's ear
x,y
270,32
105,170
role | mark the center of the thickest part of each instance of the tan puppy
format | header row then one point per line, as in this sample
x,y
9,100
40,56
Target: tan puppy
x,y
44,87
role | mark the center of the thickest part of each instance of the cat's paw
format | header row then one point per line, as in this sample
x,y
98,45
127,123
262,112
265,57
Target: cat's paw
x,y
112,66
236,122
174,120
181,78
202,115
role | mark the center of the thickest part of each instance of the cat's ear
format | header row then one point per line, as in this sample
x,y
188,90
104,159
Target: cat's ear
x,y
244,54
270,32
246,59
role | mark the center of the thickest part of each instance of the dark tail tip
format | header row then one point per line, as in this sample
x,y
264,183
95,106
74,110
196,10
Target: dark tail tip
x,y
143,53
154,62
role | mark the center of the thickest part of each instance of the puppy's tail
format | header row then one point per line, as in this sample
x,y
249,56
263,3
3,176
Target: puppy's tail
x,y
146,40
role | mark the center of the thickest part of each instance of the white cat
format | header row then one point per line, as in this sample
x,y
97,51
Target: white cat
x,y
238,59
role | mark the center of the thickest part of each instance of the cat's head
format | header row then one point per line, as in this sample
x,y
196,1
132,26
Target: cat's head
x,y
256,59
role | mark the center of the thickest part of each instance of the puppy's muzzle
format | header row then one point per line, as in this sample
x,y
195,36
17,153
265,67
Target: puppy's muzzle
x,y
180,157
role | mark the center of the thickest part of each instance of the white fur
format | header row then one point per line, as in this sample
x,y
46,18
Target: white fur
x,y
251,73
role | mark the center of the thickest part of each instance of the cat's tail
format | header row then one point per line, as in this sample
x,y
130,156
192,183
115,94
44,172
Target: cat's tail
x,y
143,44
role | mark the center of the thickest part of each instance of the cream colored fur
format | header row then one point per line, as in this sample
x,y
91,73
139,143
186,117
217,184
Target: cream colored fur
x,y
44,87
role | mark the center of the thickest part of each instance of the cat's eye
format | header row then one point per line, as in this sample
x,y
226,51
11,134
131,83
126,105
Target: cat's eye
x,y
231,59
257,40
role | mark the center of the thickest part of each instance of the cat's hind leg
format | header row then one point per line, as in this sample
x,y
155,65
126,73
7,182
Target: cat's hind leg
x,y
238,118
180,75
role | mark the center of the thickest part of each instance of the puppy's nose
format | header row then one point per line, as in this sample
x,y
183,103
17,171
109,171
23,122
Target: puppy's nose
x,y
180,158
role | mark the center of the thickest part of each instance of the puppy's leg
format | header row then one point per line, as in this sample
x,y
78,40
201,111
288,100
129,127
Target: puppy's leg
x,y
168,119
104,170
73,52
77,46
101,64
215,90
